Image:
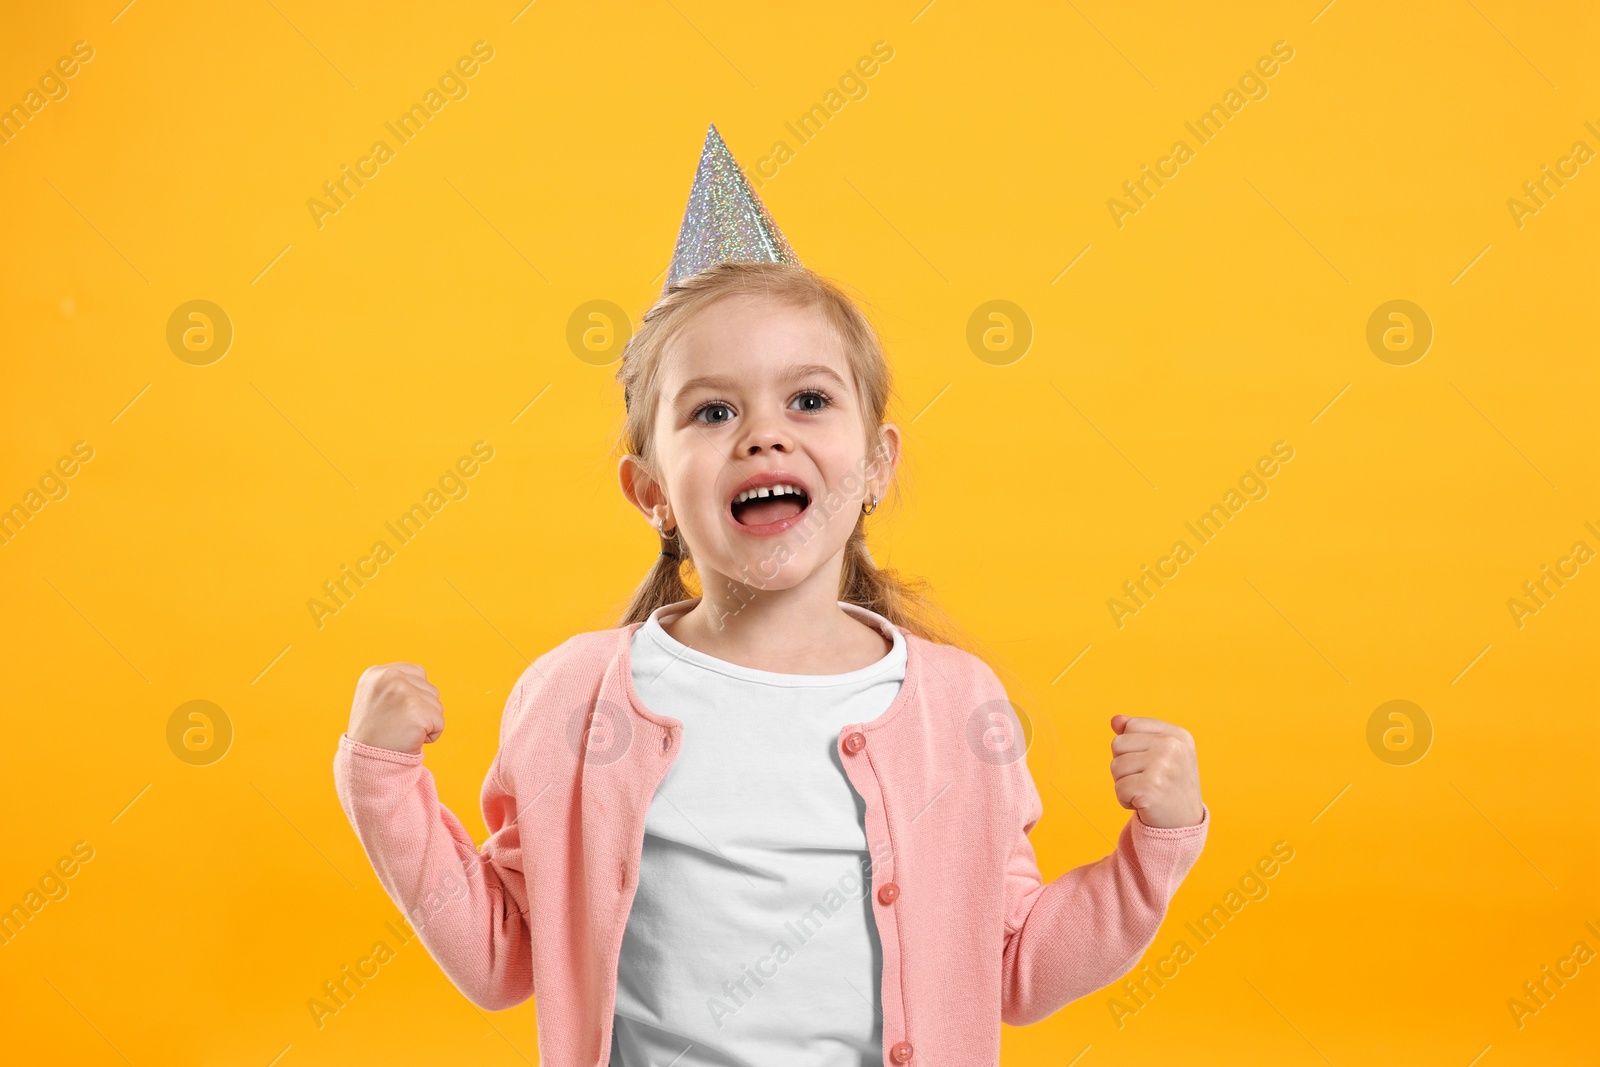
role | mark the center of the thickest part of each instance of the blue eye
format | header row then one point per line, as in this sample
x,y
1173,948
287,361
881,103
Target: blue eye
x,y
709,406
712,405
820,395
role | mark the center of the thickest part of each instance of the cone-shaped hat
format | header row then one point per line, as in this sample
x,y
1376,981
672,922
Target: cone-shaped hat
x,y
725,219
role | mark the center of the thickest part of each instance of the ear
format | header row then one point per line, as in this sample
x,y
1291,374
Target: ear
x,y
886,460
641,489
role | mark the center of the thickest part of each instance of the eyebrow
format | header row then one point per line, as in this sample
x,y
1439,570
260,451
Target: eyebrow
x,y
801,370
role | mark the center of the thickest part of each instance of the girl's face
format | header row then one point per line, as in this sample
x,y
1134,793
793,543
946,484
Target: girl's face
x,y
758,392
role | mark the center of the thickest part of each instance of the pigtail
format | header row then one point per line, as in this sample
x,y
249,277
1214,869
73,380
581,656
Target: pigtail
x,y
664,583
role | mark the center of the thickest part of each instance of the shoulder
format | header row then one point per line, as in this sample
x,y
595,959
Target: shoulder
x,y
569,672
957,689
946,672
963,698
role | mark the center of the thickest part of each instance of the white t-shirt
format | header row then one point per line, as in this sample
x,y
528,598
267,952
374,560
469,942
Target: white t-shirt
x,y
751,938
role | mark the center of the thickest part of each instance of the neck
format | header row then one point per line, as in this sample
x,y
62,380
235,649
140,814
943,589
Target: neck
x,y
747,624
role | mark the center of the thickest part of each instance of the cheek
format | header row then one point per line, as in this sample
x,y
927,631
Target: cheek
x,y
842,502
692,491
848,475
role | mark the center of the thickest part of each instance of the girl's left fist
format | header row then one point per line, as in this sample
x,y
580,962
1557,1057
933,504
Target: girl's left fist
x,y
1155,771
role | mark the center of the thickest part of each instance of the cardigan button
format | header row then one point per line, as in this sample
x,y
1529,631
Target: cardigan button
x,y
856,741
901,1052
889,893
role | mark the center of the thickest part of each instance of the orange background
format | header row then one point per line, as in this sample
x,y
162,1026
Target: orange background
x,y
1167,354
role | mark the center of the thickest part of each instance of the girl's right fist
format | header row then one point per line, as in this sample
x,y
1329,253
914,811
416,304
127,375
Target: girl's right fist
x,y
397,708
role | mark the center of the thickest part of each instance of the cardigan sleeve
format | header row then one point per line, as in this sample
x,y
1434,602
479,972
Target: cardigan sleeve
x,y
1088,927
468,906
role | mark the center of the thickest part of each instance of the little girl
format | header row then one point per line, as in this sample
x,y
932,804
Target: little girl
x,y
782,821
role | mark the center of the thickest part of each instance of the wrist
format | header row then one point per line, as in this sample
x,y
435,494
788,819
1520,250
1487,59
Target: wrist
x,y
1167,822
378,739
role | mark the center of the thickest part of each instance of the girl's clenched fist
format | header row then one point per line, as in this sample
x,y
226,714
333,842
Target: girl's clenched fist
x,y
397,708
1155,770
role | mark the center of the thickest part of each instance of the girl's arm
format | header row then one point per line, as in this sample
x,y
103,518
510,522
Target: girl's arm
x,y
1090,926
469,906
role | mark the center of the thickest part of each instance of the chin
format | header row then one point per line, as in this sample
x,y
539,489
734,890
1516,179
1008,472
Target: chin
x,y
769,571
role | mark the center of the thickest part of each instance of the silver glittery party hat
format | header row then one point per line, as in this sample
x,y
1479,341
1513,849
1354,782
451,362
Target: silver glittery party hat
x,y
725,219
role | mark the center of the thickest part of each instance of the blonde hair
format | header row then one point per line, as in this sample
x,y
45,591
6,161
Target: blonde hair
x,y
904,601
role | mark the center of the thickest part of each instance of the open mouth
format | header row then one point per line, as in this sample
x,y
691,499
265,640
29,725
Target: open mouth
x,y
769,504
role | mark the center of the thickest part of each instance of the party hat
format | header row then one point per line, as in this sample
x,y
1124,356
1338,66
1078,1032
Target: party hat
x,y
725,219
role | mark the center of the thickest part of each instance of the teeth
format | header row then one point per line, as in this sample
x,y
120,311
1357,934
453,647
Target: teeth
x,y
775,490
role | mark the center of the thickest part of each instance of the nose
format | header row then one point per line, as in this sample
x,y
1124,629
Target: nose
x,y
766,431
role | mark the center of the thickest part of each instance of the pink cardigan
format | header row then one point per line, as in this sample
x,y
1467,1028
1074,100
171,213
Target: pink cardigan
x,y
971,936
